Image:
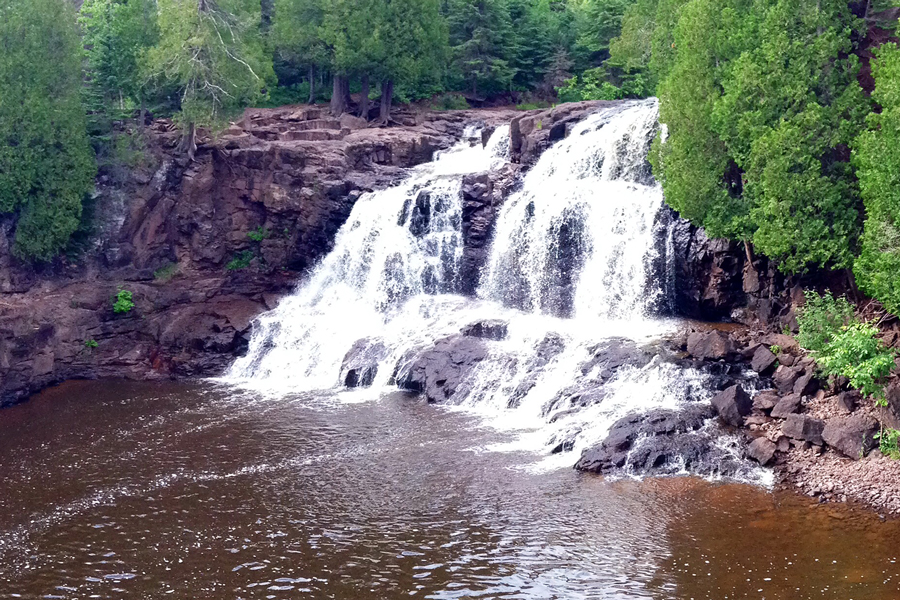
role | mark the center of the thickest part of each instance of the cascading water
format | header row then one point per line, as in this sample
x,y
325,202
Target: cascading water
x,y
562,317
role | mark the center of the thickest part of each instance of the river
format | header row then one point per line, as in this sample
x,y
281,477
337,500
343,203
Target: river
x,y
136,490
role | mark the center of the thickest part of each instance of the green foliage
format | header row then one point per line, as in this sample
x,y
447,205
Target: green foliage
x,y
889,443
46,163
241,261
480,40
775,349
761,101
821,319
123,302
166,272
213,53
259,234
594,84
876,155
449,102
91,344
858,355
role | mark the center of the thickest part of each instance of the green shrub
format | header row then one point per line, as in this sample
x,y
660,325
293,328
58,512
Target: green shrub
x,y
821,318
241,260
775,349
858,355
889,442
123,302
90,344
259,234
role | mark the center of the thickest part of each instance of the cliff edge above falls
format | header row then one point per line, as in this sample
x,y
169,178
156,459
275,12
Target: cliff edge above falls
x,y
266,198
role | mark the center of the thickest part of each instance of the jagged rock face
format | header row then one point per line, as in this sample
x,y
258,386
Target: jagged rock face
x,y
660,442
291,190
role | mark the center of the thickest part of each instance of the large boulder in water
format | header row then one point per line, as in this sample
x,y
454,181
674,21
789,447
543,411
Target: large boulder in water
x,y
360,364
439,371
661,442
732,405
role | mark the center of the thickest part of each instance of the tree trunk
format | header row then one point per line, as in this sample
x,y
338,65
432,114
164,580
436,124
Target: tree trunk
x,y
364,98
312,84
387,95
143,113
189,142
345,86
338,105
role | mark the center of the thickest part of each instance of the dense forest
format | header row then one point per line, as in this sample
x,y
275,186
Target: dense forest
x,y
782,118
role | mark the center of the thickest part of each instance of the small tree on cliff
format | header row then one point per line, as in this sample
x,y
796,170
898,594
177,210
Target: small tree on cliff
x,y
213,51
46,163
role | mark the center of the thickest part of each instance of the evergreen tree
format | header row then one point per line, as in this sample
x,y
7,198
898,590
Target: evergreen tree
x,y
480,36
297,33
213,51
46,164
877,158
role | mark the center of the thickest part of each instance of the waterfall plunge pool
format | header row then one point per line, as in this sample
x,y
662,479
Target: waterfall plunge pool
x,y
143,490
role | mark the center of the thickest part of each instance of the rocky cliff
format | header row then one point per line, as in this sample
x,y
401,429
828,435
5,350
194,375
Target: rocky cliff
x,y
202,246
205,246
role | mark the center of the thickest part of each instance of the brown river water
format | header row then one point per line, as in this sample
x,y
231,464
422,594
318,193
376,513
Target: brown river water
x,y
128,490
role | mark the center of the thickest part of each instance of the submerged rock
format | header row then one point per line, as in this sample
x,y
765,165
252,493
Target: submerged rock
x,y
490,329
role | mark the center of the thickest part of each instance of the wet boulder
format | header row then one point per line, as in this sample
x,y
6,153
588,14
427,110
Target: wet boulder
x,y
440,371
360,364
732,405
490,329
852,436
762,450
545,351
710,345
656,431
610,355
804,428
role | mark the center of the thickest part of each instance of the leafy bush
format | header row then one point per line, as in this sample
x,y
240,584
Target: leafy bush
x,y
775,349
259,234
821,319
241,261
123,302
858,355
889,442
90,344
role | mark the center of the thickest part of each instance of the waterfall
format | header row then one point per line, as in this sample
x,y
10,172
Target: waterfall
x,y
563,312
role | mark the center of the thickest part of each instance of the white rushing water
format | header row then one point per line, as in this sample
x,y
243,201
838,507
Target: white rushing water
x,y
571,265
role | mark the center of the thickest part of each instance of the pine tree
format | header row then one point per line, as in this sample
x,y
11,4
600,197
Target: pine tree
x,y
480,36
213,51
46,164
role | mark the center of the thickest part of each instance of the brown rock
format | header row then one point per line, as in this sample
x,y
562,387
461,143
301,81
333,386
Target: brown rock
x,y
761,450
806,385
786,359
710,345
852,436
783,444
785,378
848,401
732,405
788,405
763,360
804,427
766,400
